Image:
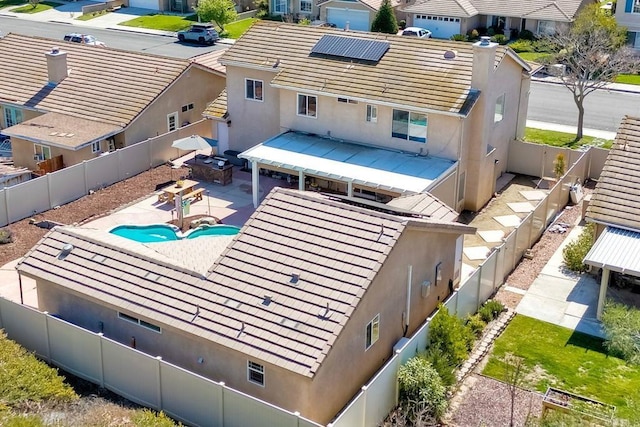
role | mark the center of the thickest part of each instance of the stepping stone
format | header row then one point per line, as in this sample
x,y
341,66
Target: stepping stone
x,y
508,220
476,252
521,207
533,194
491,236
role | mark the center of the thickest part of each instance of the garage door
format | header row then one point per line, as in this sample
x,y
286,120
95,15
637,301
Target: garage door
x,y
145,4
441,27
358,19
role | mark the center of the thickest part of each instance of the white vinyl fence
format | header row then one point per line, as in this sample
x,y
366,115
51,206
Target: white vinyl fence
x,y
71,183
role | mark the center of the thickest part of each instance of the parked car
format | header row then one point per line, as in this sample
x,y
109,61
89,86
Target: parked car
x,y
417,32
83,38
200,33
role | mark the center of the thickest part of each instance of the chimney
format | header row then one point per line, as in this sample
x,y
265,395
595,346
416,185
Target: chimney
x,y
346,26
484,54
56,65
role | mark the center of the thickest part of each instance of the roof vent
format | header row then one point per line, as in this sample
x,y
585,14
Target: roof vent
x,y
294,278
450,54
324,313
485,41
266,300
66,250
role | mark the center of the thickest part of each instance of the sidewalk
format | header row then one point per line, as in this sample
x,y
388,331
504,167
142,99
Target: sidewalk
x,y
603,134
615,87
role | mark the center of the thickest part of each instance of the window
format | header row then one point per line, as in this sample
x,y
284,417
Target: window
x,y
636,6
546,28
255,373
307,105
347,101
411,126
253,89
372,332
139,322
279,6
372,114
172,121
499,112
461,184
306,6
12,116
42,152
95,147
187,107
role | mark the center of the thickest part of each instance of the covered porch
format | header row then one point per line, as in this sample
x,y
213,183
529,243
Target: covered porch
x,y
332,165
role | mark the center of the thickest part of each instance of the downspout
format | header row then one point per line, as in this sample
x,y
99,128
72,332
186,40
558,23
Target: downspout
x,y
457,202
408,309
20,285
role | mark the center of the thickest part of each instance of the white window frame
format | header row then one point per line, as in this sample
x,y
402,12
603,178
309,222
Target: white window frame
x,y
308,4
12,116
546,27
280,6
498,114
173,116
258,369
95,147
301,97
372,332
140,322
372,114
636,7
253,88
43,151
414,131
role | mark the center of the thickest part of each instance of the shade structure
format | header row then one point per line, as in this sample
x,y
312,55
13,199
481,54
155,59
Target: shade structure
x,y
193,142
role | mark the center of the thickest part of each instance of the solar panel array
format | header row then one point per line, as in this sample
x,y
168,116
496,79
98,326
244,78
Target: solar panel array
x,y
351,48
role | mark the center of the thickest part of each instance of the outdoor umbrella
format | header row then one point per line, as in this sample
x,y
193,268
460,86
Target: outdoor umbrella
x,y
193,142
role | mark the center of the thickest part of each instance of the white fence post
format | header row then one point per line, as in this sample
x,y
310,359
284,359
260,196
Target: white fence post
x,y
46,330
364,405
100,338
221,406
159,363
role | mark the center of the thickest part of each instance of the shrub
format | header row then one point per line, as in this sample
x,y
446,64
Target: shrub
x,y
622,328
473,34
575,251
304,21
420,385
441,362
149,418
402,24
6,236
476,324
545,45
448,334
491,31
459,37
500,39
490,310
515,33
527,35
521,45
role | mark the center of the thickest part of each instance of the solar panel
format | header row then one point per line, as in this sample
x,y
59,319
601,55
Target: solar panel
x,y
351,48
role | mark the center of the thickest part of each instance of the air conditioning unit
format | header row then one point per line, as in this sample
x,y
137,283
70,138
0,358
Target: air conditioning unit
x,y
37,157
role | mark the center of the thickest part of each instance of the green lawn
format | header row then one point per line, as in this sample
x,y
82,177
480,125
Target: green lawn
x,y
630,79
88,16
40,7
568,360
562,139
236,29
161,22
533,56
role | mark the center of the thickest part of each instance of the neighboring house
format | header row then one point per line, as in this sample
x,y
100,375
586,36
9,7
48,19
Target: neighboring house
x,y
418,116
299,309
74,102
614,208
349,14
180,6
445,18
628,15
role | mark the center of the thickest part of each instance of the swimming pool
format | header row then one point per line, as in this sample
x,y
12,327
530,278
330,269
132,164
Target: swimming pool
x,y
155,233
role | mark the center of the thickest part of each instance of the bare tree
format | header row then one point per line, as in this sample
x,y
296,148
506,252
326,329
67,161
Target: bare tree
x,y
593,51
514,373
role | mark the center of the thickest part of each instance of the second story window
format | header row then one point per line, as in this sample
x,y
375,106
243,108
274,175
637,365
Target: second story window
x,y
499,112
372,332
305,6
95,147
12,116
307,105
280,6
255,373
372,114
636,6
409,126
253,89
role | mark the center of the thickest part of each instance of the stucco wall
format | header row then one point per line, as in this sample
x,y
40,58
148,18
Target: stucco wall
x,y
629,20
196,86
23,152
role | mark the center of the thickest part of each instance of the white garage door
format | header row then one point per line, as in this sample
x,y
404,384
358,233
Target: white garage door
x,y
358,19
441,27
145,4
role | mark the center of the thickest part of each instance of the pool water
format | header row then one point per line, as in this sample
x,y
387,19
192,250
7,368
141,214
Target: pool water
x,y
165,233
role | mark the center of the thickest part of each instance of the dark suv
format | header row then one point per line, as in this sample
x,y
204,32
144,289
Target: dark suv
x,y
201,33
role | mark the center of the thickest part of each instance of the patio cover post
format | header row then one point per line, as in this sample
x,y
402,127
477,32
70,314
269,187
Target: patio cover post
x,y
604,283
255,173
301,180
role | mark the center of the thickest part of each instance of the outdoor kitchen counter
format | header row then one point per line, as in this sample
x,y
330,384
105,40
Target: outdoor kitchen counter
x,y
206,168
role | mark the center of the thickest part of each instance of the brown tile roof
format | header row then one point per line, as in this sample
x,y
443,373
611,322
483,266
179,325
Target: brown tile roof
x,y
218,108
211,60
109,85
249,301
63,130
413,72
375,4
616,199
425,204
457,8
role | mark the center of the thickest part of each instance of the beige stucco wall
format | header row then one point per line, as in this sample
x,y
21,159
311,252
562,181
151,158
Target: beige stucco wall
x,y
629,20
252,122
196,86
23,152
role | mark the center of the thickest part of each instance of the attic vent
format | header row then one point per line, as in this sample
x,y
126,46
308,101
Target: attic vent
x,y
66,250
232,303
152,276
55,50
267,300
450,54
289,323
99,258
294,278
325,312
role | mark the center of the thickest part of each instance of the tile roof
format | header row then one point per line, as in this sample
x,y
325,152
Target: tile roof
x,y
109,85
551,10
62,130
218,107
375,4
413,72
425,204
250,300
211,60
616,199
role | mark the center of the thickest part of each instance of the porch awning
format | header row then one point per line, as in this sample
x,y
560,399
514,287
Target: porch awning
x,y
618,250
362,165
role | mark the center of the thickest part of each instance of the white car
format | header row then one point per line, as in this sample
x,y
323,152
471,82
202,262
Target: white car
x,y
421,33
84,39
